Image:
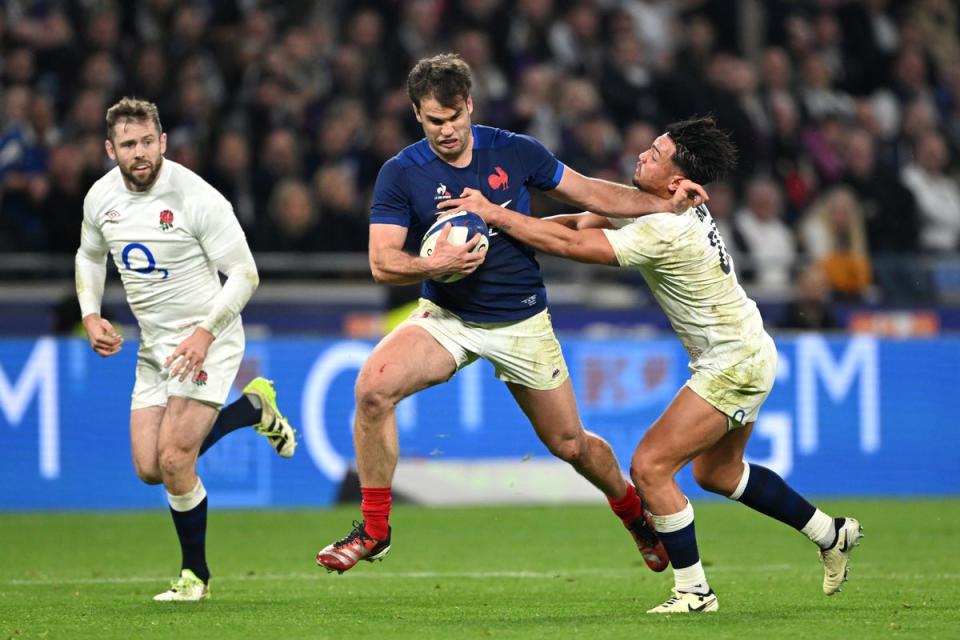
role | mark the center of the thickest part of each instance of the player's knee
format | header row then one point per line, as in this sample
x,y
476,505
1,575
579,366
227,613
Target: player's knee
x,y
567,449
648,472
374,395
174,461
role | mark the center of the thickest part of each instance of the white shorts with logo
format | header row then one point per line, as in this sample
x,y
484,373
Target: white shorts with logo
x,y
525,352
740,388
154,385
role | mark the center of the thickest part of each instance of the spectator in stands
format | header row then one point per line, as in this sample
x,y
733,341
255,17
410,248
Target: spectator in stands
x,y
936,193
230,175
344,215
889,209
280,158
295,225
810,308
833,235
60,203
769,248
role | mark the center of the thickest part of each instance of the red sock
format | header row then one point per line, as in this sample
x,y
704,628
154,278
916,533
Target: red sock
x,y
628,508
375,507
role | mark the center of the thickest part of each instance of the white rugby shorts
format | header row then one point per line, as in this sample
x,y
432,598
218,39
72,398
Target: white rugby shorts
x,y
525,352
153,385
739,389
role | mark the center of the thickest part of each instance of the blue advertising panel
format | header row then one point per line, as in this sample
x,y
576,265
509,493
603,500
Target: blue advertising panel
x,y
848,416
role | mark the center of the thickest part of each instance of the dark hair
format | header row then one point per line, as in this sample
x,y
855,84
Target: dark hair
x,y
132,109
704,152
446,77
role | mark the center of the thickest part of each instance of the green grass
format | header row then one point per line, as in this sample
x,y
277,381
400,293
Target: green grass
x,y
557,572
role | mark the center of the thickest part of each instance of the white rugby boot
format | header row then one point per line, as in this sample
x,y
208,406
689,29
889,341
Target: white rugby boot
x,y
686,602
835,558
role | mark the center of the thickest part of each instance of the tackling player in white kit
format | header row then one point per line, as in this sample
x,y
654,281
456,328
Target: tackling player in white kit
x,y
170,233
733,361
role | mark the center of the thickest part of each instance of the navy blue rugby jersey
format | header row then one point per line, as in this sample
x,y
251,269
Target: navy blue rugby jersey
x,y
508,285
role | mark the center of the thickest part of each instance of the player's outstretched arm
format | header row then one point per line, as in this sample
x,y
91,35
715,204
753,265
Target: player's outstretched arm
x,y
585,220
390,264
583,245
621,201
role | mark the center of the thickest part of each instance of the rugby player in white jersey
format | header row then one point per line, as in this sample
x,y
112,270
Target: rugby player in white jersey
x,y
170,233
733,361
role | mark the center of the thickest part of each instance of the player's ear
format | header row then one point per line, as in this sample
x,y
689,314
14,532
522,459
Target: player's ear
x,y
470,105
675,181
111,152
163,143
416,113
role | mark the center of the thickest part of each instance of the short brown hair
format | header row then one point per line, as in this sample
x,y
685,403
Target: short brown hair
x,y
445,77
132,109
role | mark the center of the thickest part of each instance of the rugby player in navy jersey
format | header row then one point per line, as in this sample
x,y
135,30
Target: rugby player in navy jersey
x,y
498,312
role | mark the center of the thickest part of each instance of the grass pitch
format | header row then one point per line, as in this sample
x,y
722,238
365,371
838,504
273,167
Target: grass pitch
x,y
509,572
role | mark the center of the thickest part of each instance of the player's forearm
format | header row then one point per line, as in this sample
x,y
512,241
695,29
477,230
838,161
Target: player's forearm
x,y
395,266
90,274
585,220
242,280
543,235
618,200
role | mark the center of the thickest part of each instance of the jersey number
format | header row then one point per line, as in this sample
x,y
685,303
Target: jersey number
x,y
147,254
716,241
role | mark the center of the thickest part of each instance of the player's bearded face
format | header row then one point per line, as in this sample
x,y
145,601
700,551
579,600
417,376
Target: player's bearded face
x,y
447,128
138,148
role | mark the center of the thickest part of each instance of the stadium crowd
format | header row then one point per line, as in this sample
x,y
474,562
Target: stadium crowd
x,y
846,112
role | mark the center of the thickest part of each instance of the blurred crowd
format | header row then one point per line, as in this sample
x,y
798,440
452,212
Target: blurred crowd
x,y
846,112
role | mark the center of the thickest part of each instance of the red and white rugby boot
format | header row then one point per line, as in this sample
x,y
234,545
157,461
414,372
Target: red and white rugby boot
x,y
344,554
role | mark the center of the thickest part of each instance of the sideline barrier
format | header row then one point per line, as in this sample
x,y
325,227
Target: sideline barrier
x,y
848,417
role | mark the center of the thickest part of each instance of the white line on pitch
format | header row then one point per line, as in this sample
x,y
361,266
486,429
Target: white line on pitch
x,y
434,575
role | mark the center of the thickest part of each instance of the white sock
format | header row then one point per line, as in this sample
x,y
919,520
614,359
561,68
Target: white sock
x,y
820,529
189,500
742,485
691,578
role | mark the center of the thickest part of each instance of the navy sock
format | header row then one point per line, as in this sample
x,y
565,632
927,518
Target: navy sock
x,y
192,530
681,546
767,493
234,416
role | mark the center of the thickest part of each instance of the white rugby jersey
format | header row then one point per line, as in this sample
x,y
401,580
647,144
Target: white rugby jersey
x,y
164,242
683,259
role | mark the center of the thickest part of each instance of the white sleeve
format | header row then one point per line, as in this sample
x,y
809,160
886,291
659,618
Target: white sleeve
x,y
90,271
242,280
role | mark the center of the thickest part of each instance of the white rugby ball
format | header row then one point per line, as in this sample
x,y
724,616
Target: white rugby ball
x,y
465,225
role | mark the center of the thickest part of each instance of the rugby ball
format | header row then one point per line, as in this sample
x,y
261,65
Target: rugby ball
x,y
464,225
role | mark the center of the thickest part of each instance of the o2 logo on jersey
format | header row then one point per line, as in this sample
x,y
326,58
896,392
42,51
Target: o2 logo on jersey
x,y
141,252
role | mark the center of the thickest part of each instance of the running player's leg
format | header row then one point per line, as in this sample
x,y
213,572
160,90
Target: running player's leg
x,y
144,432
528,357
185,424
687,427
721,469
407,360
257,408
553,414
